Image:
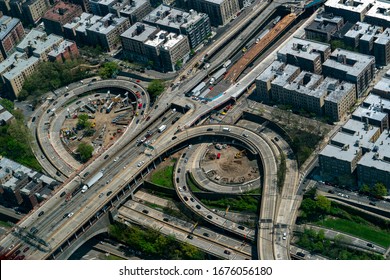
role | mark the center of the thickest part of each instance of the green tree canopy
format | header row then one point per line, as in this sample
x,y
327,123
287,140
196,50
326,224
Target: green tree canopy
x,y
108,69
7,104
83,121
379,189
85,151
155,88
323,204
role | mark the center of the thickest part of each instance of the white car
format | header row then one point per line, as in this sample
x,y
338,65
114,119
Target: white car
x,y
70,214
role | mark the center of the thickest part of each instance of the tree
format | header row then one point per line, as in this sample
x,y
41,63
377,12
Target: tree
x,y
364,189
323,204
83,121
108,70
379,190
85,151
155,88
7,104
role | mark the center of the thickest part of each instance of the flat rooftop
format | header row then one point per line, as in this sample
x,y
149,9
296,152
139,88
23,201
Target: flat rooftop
x,y
7,24
336,90
357,6
61,10
39,41
303,48
167,16
375,102
383,86
61,48
306,83
383,38
130,8
15,64
351,63
380,10
364,31
372,113
328,17
379,156
283,76
139,32
82,22
101,25
270,72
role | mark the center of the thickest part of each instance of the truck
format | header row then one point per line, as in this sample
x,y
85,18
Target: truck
x,y
162,128
92,181
227,63
217,75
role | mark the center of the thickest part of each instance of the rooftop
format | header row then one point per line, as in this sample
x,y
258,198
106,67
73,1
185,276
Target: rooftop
x,y
372,113
61,48
271,71
61,10
283,75
328,17
130,8
375,102
363,30
350,62
336,90
379,156
6,25
306,83
303,48
380,10
15,64
382,86
139,32
349,5
383,38
39,41
167,16
83,22
107,24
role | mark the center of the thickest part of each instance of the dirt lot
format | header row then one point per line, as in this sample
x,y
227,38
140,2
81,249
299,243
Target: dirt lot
x,y
232,166
105,131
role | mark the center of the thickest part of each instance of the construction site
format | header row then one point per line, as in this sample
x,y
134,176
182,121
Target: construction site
x,y
227,164
107,117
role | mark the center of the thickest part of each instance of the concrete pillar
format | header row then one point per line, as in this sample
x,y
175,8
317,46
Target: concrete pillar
x,y
76,235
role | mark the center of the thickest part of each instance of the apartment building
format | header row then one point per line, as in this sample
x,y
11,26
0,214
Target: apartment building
x,y
379,14
11,33
106,32
29,11
196,26
362,36
323,27
382,48
352,67
64,51
308,55
76,30
220,12
60,14
136,10
351,10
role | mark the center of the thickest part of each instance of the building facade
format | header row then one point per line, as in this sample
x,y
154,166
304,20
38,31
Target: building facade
x,y
220,12
11,33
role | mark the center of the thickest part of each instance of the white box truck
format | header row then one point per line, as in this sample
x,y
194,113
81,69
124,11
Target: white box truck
x,y
162,128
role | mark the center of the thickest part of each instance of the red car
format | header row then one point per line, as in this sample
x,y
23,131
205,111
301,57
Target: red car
x,y
139,105
26,249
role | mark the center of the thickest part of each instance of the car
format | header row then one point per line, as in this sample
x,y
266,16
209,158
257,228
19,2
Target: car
x,y
206,234
137,121
227,252
42,157
300,254
184,188
370,245
17,252
33,230
241,227
100,195
209,217
177,180
185,198
62,194
26,249
22,257
70,214
184,155
41,213
331,191
115,159
155,107
245,135
186,160
174,137
276,138
145,211
190,236
192,199
86,174
148,118
66,94
33,119
143,106
372,203
106,156
198,206
178,170
110,192
166,220
163,119
209,129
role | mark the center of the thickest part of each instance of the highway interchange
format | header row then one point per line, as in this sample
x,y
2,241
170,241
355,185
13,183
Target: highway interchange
x,y
123,172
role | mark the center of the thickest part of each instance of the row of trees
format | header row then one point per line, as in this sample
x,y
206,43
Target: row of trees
x,y
50,76
153,244
335,249
378,190
240,203
15,139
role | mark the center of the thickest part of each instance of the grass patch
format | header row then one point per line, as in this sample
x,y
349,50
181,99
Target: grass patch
x,y
5,224
246,204
191,184
367,232
153,205
163,177
113,257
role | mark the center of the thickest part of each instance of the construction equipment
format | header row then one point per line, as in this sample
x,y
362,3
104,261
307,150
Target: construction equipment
x,y
239,154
